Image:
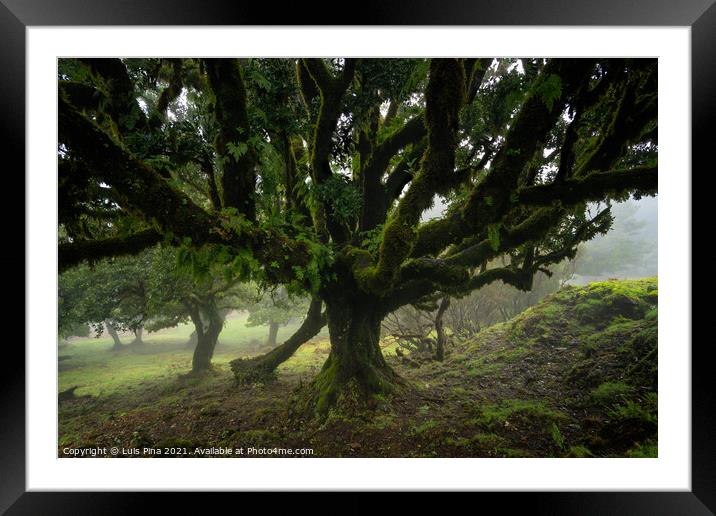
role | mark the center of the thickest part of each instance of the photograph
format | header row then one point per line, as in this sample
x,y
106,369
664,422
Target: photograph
x,y
343,257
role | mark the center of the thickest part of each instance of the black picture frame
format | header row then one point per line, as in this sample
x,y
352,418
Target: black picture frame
x,y
17,15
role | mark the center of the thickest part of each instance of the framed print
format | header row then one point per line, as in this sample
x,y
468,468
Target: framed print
x,y
419,249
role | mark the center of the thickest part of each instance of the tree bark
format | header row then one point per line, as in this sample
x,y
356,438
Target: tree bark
x,y
273,333
113,333
260,368
207,335
440,330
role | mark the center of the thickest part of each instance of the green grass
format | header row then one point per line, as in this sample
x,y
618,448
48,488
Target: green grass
x,y
98,371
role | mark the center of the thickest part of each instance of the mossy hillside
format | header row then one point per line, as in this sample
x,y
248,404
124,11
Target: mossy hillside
x,y
588,353
579,311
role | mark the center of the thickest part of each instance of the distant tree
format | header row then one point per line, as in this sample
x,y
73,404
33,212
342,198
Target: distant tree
x,y
275,308
149,290
177,294
110,295
315,173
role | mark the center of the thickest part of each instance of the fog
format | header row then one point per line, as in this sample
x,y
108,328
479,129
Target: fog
x,y
628,251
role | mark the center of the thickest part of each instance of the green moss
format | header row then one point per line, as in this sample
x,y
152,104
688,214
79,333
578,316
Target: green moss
x,y
336,390
457,441
425,426
398,239
609,392
478,368
602,301
324,386
485,364
524,410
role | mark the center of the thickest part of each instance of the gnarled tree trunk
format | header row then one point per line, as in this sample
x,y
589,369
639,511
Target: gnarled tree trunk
x,y
208,324
355,371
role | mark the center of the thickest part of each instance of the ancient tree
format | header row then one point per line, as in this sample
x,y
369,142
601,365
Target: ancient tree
x,y
319,174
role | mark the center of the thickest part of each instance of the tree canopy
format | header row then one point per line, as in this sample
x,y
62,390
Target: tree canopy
x,y
316,174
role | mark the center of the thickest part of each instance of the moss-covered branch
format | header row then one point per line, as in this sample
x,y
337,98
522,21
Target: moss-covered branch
x,y
415,290
453,274
73,253
376,201
331,90
81,95
445,95
143,193
632,112
535,227
493,197
122,107
137,184
475,73
412,132
172,91
402,174
306,84
594,187
237,156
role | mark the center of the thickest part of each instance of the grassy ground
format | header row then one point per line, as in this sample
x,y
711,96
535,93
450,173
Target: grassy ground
x,y
574,376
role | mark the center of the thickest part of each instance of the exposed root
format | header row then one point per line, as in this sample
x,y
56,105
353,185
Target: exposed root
x,y
334,394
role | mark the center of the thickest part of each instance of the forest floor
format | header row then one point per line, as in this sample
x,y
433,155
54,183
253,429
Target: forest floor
x,y
574,376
